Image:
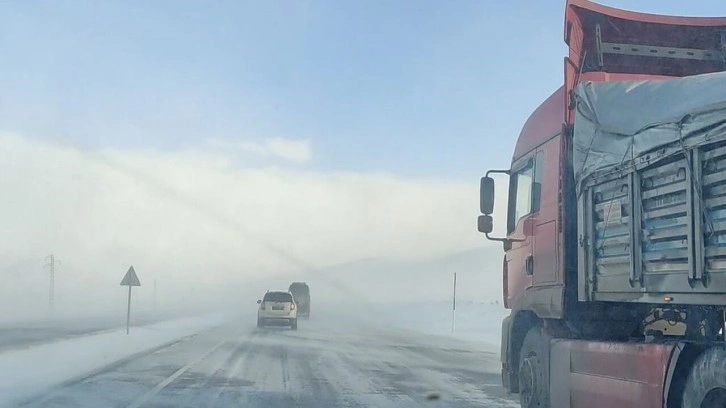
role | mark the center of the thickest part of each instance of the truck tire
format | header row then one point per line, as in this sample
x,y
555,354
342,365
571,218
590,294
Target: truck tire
x,y
706,383
533,390
293,325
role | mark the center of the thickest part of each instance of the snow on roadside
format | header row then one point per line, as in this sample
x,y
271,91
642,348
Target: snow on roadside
x,y
475,321
26,372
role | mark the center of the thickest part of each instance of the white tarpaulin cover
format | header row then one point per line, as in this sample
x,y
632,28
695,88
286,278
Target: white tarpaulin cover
x,y
618,123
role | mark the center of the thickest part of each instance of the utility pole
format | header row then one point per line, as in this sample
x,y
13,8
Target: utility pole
x,y
51,291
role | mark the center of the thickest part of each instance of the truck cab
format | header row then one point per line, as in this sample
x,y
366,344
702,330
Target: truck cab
x,y
544,279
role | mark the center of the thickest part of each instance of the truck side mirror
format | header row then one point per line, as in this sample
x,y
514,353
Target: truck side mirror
x,y
259,301
485,224
486,195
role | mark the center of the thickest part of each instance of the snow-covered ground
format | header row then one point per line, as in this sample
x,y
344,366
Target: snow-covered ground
x,y
24,372
23,334
476,321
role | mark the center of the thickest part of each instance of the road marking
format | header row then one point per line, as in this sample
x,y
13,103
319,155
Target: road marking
x,y
150,394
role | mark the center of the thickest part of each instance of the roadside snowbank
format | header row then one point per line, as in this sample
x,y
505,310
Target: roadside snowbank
x,y
26,372
475,321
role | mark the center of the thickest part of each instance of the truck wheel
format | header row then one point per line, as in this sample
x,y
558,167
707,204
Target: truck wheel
x,y
706,383
533,390
293,325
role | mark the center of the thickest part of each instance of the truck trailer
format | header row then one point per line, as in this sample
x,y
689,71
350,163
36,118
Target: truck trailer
x,y
301,292
614,264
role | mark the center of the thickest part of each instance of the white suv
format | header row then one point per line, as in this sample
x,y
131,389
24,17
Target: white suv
x,y
277,308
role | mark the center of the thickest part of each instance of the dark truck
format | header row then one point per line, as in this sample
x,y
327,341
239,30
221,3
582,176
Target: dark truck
x,y
615,249
301,293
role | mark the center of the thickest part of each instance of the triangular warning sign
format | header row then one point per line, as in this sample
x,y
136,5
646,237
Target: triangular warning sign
x,y
130,279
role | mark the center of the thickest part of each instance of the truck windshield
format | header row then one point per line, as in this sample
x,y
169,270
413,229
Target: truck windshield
x,y
520,201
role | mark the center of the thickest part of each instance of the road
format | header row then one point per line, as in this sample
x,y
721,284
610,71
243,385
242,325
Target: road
x,y
328,362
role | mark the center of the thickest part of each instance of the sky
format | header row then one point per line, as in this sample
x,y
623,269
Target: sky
x,y
420,88
207,140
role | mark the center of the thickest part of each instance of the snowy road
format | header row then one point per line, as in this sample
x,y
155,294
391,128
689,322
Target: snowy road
x,y
326,363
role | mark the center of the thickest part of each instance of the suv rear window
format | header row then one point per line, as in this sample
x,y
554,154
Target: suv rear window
x,y
277,297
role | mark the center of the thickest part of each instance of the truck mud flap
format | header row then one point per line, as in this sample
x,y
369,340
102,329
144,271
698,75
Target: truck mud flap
x,y
597,374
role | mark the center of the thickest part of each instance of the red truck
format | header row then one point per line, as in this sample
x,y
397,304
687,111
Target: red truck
x,y
615,251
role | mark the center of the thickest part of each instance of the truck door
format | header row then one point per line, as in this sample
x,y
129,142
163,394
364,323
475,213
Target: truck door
x,y
545,214
520,229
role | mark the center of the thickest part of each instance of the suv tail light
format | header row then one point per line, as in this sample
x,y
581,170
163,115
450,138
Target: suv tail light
x,y
292,306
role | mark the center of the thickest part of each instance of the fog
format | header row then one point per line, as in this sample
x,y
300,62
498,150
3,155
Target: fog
x,y
213,229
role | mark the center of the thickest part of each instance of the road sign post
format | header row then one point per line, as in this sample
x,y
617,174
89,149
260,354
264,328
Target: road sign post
x,y
128,312
453,309
130,279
